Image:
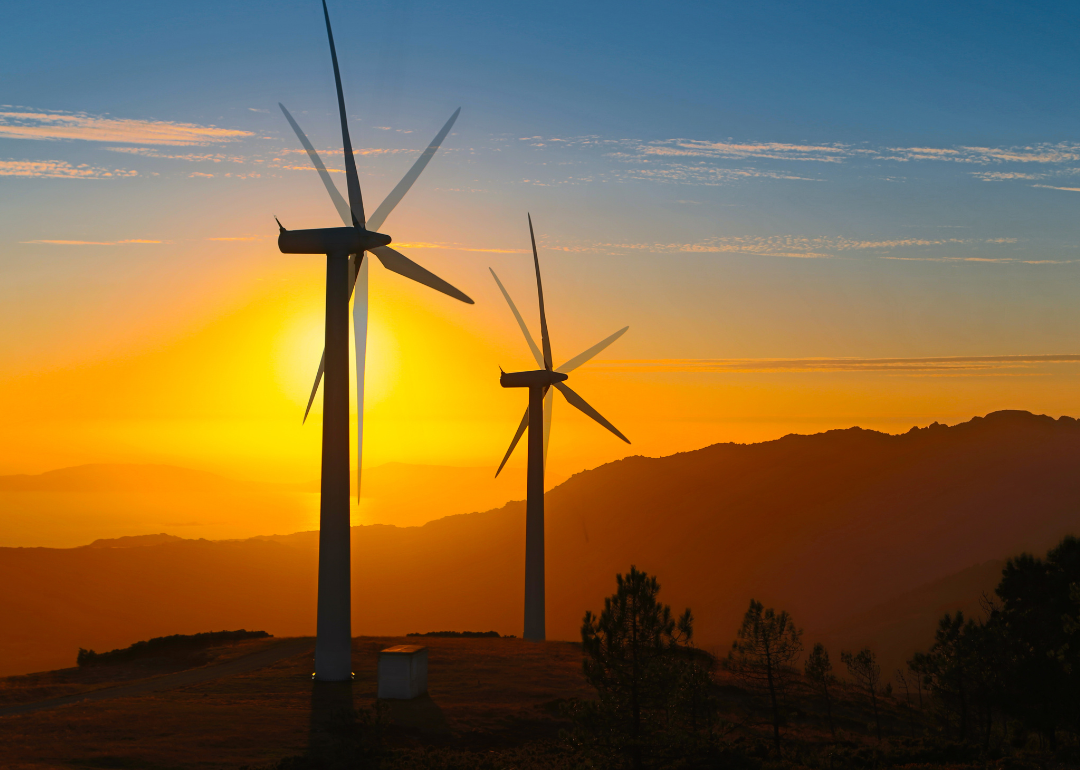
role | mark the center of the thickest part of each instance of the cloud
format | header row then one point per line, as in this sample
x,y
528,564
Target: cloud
x,y
1002,176
456,247
93,243
792,246
943,365
148,152
1051,187
58,169
822,153
97,128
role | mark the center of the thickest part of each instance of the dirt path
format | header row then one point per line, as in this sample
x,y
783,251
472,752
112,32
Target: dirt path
x,y
284,649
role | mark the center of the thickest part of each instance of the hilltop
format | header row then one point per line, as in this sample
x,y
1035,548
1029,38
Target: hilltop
x,y
853,531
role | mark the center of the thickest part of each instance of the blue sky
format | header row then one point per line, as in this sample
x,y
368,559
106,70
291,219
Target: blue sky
x,y
761,180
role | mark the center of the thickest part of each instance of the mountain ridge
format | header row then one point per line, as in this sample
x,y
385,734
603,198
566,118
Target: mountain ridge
x,y
828,526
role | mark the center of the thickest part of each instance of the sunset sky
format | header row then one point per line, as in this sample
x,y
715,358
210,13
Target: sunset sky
x,y
797,208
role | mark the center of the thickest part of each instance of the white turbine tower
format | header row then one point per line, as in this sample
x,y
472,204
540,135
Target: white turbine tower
x,y
345,249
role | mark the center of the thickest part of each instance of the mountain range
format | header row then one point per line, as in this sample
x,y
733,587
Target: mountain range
x,y
865,537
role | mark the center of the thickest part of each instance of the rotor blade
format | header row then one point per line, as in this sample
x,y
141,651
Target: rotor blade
x,y
395,196
517,437
398,263
315,387
549,402
356,200
360,323
339,202
540,292
582,358
521,321
579,402
353,274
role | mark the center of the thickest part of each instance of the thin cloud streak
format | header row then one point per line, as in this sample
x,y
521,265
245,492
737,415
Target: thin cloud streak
x,y
829,365
53,125
59,169
92,243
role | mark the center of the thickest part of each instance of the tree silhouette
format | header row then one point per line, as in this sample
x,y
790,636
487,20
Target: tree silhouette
x,y
766,645
863,666
632,656
818,671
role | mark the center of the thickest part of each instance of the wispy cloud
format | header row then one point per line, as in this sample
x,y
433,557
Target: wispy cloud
x,y
793,246
93,243
1051,187
943,365
40,124
455,247
59,169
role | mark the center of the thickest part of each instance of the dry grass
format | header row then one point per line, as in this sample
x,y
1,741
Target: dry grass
x,y
483,692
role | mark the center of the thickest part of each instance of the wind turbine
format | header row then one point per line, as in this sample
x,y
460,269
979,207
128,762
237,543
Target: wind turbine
x,y
539,383
344,248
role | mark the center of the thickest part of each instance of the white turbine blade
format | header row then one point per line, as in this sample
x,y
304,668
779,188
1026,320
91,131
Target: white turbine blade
x,y
517,437
315,387
545,340
356,200
360,324
521,322
339,202
398,263
322,361
582,358
549,402
395,196
577,401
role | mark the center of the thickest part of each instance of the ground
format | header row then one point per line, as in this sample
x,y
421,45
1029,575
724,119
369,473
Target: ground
x,y
482,692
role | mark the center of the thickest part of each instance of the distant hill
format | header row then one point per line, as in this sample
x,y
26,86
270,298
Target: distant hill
x,y
840,528
70,506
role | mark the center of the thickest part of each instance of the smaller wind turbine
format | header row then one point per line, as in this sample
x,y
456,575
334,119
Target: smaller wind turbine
x,y
539,383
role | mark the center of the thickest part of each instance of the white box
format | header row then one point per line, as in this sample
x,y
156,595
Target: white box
x,y
402,672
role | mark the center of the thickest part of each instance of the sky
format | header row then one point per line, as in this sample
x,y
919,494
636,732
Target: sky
x,y
811,216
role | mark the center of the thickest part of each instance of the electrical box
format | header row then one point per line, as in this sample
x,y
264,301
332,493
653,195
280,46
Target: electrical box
x,y
403,672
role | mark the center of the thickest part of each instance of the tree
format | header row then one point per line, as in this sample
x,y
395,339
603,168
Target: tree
x,y
762,655
818,671
636,657
863,666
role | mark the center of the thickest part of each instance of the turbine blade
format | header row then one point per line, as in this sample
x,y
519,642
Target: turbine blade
x,y
582,358
395,196
580,403
356,200
315,387
398,263
339,202
521,321
360,323
549,402
517,437
353,273
540,292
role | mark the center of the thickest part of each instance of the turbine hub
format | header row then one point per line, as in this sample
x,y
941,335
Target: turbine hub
x,y
330,240
539,378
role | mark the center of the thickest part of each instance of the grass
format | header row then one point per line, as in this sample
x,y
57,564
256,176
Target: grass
x,y
483,693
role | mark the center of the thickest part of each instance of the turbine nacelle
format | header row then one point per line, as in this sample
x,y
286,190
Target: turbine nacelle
x,y
540,378
330,240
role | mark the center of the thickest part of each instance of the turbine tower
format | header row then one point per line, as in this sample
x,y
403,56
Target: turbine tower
x,y
344,248
539,382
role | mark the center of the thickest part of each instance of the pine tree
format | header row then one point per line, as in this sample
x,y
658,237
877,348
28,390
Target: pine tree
x,y
863,666
633,658
762,655
818,671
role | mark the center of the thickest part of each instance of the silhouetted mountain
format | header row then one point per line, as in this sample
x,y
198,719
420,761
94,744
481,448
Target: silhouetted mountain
x,y
827,526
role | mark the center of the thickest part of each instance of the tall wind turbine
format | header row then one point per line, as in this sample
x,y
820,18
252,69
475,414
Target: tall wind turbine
x,y
539,383
344,248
